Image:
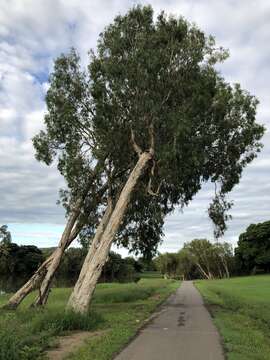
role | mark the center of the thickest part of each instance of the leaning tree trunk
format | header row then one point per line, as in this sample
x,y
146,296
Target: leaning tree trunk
x,y
225,265
58,254
81,296
47,269
204,273
36,278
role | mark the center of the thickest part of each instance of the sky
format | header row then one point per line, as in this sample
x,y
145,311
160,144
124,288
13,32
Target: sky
x,y
34,32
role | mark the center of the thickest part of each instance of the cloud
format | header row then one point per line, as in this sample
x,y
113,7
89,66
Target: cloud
x,y
33,33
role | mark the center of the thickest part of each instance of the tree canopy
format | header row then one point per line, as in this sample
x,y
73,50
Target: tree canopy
x,y
198,259
152,82
253,250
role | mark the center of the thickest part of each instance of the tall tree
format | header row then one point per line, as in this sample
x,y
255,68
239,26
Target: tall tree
x,y
163,111
152,112
201,252
253,250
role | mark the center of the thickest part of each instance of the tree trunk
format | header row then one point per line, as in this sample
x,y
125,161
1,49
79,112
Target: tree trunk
x,y
29,286
202,271
58,253
81,296
36,278
225,265
47,269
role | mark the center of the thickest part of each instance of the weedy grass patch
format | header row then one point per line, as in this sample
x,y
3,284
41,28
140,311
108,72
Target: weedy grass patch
x,y
120,309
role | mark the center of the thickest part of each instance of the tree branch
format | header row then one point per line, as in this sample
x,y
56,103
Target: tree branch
x,y
136,147
149,186
152,138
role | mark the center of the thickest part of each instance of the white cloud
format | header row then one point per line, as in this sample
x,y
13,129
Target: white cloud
x,y
33,123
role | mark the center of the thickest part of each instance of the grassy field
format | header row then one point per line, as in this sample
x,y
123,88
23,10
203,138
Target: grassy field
x,y
241,310
118,310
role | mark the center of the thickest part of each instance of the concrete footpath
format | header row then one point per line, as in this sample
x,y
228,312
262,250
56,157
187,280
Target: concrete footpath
x,y
183,330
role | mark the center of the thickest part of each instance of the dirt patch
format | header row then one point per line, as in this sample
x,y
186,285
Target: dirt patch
x,y
69,343
155,297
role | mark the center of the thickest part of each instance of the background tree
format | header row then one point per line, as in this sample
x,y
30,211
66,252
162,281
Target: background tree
x,y
187,269
253,250
168,265
202,255
118,269
198,259
224,259
17,263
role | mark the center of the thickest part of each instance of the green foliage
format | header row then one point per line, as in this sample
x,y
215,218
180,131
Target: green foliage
x,y
203,128
217,212
241,311
146,264
198,259
118,269
253,251
17,264
70,267
168,264
154,78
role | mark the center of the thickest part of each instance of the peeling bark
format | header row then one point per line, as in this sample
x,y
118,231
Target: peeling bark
x,y
81,296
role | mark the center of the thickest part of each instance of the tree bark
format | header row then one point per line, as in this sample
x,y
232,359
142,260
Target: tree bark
x,y
225,265
202,271
58,254
81,296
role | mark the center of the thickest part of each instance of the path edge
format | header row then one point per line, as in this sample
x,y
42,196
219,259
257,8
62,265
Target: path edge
x,y
207,305
157,311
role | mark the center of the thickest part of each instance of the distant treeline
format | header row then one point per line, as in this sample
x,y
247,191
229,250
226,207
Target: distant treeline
x,y
202,259
197,259
18,263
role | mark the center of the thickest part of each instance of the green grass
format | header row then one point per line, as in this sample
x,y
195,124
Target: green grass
x,y
118,310
151,275
241,310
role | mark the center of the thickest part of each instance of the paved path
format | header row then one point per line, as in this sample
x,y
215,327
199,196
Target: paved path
x,y
183,330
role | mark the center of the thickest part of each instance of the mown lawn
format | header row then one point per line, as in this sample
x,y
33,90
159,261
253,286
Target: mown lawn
x,y
241,310
118,310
